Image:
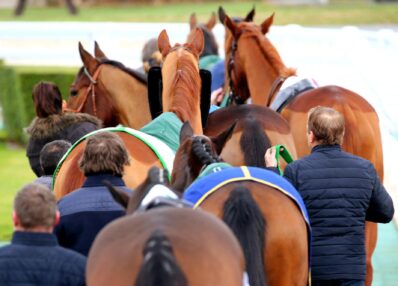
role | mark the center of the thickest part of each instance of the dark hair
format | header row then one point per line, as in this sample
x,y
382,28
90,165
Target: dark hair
x,y
35,205
51,154
326,124
105,152
47,99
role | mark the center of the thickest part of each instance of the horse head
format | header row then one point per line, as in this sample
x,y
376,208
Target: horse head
x,y
156,179
150,55
108,90
181,79
194,154
252,62
210,43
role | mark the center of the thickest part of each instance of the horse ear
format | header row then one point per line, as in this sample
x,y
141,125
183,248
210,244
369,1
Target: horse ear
x,y
119,196
193,22
231,25
186,132
98,53
88,60
267,24
221,15
198,41
212,21
164,43
250,16
220,140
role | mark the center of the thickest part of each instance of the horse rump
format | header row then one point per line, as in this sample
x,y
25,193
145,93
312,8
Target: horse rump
x,y
160,266
244,217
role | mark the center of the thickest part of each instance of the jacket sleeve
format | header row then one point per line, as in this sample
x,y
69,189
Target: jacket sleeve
x,y
289,174
381,207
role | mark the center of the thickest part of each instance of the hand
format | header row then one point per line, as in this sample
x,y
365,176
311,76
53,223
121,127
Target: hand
x,y
270,157
217,96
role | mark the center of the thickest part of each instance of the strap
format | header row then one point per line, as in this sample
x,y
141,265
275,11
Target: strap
x,y
281,151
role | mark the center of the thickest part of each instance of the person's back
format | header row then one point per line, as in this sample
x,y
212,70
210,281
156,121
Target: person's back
x,y
340,191
52,124
34,256
85,211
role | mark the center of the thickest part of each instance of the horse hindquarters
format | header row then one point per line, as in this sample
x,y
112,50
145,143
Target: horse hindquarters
x,y
159,266
244,217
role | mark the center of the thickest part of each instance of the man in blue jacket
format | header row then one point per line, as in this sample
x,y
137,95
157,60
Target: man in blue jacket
x,y
340,191
34,256
85,211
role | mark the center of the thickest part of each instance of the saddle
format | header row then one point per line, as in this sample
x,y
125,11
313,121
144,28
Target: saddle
x,y
159,202
155,92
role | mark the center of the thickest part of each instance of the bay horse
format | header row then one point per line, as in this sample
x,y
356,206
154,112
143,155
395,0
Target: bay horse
x,y
180,95
109,90
164,245
255,128
270,227
258,71
209,55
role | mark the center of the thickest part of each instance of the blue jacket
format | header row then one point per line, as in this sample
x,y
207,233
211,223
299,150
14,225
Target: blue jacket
x,y
340,191
86,211
37,259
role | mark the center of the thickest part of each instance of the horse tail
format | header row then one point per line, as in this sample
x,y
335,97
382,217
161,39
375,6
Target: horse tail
x,y
253,143
243,216
160,266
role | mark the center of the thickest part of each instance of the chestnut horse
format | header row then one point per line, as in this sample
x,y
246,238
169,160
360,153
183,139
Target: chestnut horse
x,y
258,71
181,96
270,227
109,90
164,245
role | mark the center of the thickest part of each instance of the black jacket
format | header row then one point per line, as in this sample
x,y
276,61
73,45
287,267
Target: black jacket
x,y
37,259
68,126
340,191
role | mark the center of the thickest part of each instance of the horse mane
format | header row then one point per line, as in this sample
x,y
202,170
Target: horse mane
x,y
253,142
136,74
185,87
270,53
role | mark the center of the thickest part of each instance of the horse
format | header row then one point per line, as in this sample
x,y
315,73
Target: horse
x,y
109,90
164,245
258,71
209,56
270,227
254,128
180,96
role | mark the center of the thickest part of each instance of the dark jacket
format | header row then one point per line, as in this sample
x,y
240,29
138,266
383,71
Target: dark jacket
x,y
86,211
340,191
37,259
68,126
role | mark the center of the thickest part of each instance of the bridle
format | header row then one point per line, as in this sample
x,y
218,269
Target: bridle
x,y
91,88
233,96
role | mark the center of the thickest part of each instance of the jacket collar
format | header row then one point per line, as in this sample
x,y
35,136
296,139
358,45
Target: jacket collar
x,y
96,180
34,238
323,148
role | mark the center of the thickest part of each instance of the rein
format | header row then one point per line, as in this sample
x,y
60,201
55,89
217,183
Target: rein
x,y
274,88
93,81
233,97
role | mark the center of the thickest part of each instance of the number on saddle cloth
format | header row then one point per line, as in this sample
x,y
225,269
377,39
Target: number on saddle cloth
x,y
155,93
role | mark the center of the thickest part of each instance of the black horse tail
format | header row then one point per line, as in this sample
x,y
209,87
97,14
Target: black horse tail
x,y
253,143
243,216
160,266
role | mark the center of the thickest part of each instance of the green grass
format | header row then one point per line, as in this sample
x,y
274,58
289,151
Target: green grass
x,y
348,12
14,173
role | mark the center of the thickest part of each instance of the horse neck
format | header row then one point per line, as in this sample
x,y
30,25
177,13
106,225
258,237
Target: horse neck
x,y
129,96
260,73
181,92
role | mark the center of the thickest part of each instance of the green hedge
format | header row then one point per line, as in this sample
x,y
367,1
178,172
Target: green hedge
x,y
16,86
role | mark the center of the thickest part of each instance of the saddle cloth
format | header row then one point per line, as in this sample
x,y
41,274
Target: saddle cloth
x,y
292,87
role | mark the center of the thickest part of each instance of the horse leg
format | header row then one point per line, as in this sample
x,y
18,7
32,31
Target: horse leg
x,y
20,8
370,240
71,7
